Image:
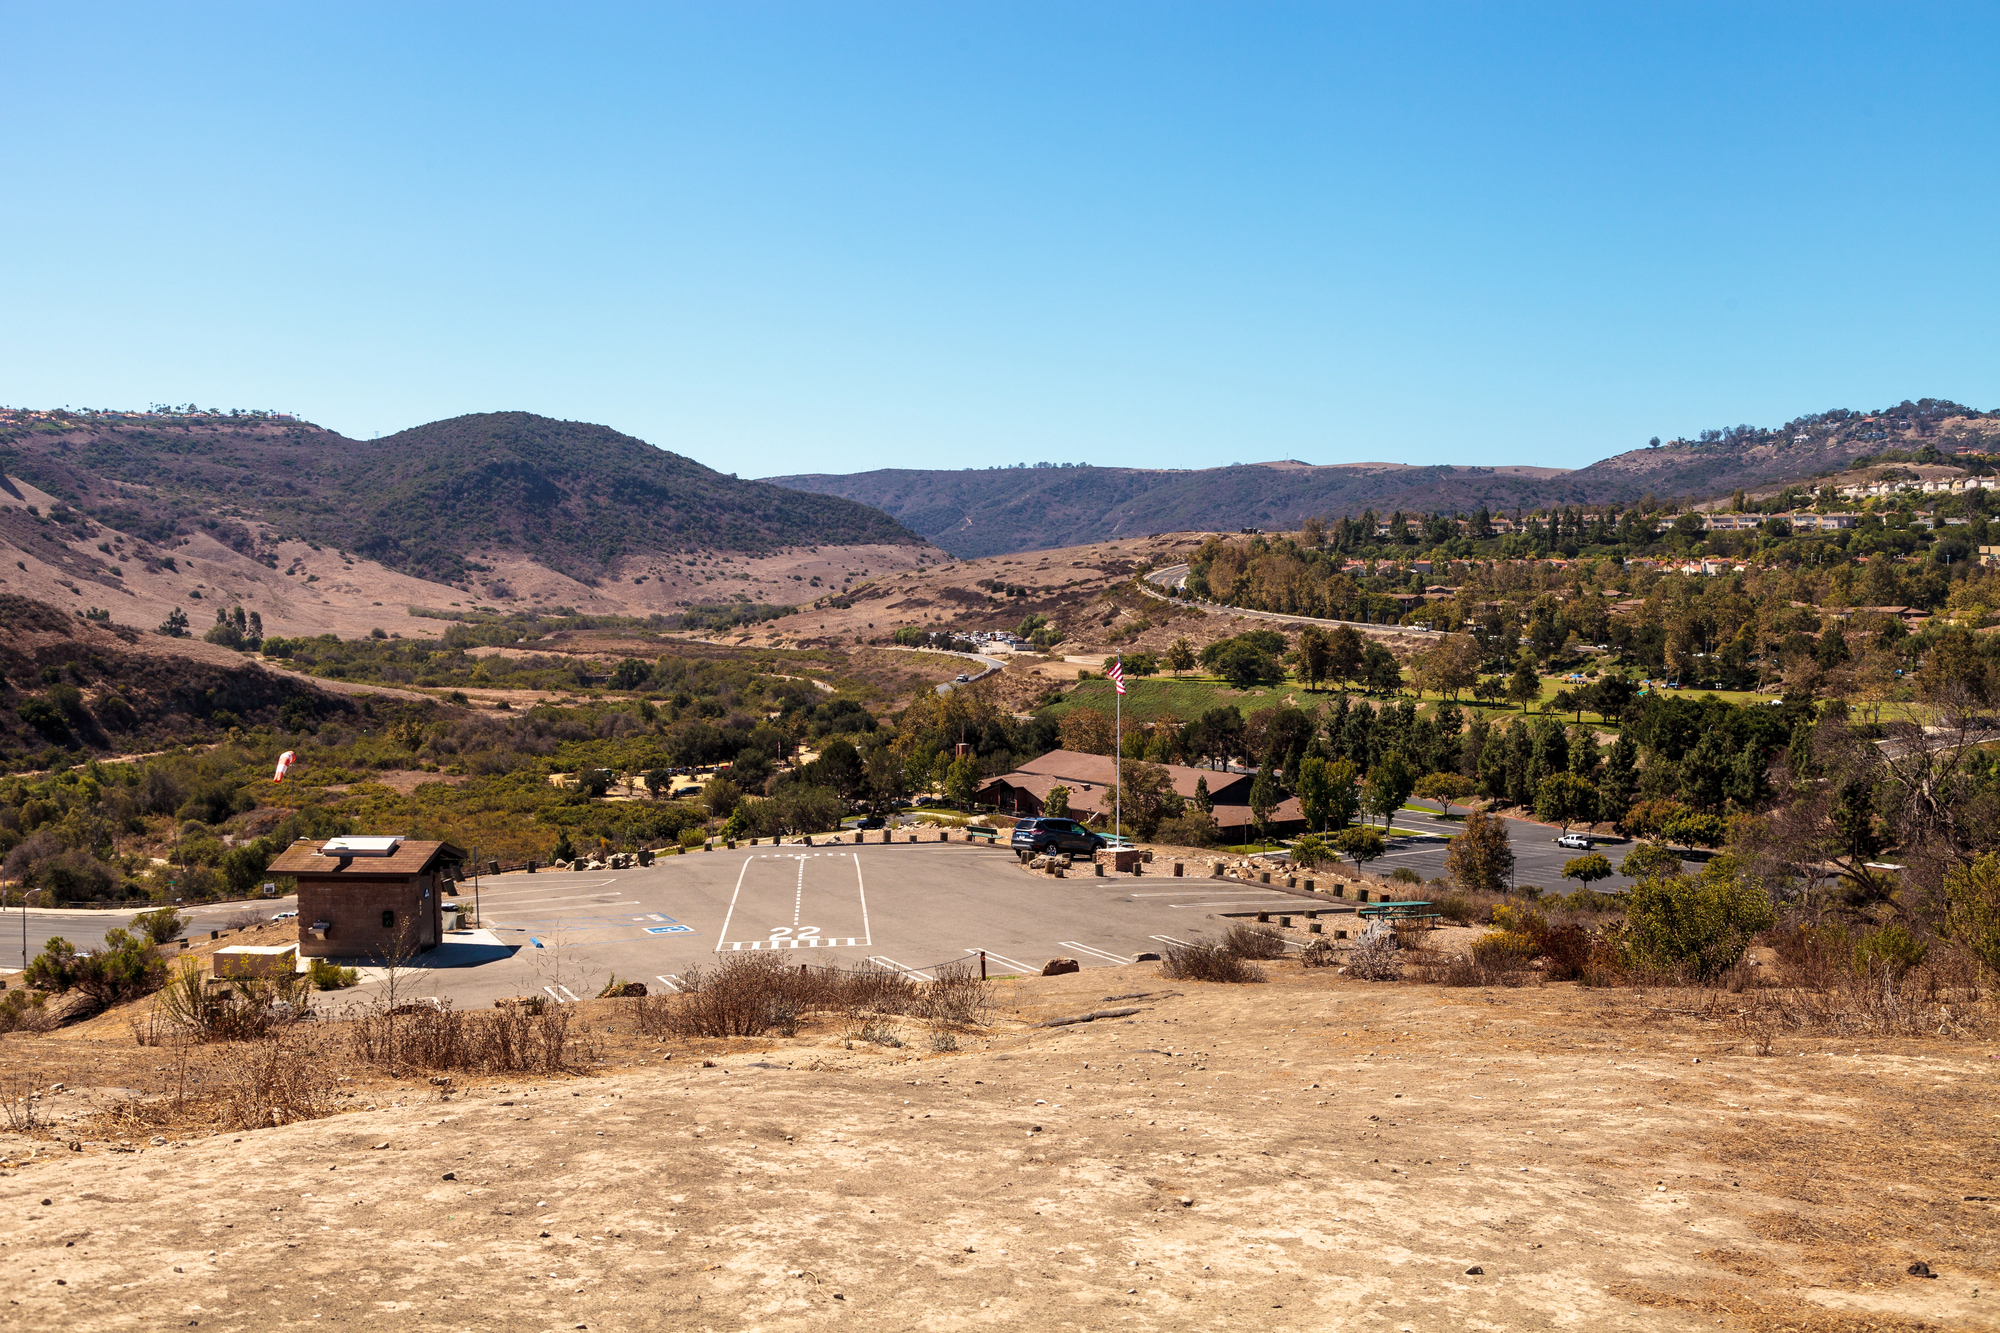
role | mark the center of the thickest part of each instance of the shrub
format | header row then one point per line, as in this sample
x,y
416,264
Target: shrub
x,y
125,968
1892,947
1375,957
1310,850
161,925
1206,962
1972,908
331,976
1694,925
1504,949
1405,875
1247,941
1191,828
25,1011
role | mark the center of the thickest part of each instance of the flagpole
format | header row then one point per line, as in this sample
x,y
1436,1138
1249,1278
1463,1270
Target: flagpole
x,y
1118,750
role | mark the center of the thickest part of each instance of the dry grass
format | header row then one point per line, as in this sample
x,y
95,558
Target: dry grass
x,y
516,1038
750,995
1207,962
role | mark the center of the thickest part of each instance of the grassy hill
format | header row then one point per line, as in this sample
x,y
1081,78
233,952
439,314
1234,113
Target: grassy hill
x,y
999,510
574,496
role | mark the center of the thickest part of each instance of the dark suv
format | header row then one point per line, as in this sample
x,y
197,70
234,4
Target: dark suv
x,y
1043,834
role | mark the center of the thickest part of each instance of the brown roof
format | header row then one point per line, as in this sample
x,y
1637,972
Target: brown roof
x,y
410,858
1073,768
1088,776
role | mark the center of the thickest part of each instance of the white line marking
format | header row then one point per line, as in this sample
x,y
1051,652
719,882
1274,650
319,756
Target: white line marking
x,y
909,971
670,984
1170,940
1085,948
867,931
574,997
1011,962
799,901
723,934
552,994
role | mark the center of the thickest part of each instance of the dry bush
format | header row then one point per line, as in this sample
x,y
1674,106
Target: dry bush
x,y
954,998
512,1039
1206,962
1376,957
20,1101
1246,941
273,1082
231,1009
1434,968
1318,953
748,995
26,1011
1940,998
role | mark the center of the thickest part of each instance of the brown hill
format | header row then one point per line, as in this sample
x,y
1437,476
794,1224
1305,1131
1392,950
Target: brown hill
x,y
1000,510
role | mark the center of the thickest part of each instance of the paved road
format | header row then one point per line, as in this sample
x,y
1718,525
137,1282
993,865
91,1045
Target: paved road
x,y
564,934
1537,859
991,664
1175,575
85,928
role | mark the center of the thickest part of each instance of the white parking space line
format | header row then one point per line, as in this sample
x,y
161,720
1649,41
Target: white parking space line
x,y
490,905
1085,948
1168,939
670,983
907,971
723,934
1003,958
859,887
573,997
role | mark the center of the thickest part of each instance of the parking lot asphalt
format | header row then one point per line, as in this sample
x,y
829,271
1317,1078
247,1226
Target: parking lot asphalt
x,y
909,906
85,927
1537,859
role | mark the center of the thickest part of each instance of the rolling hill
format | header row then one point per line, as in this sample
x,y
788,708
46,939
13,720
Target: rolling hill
x,y
974,513
580,499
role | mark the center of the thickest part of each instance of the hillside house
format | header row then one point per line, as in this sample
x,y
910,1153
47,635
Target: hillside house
x,y
1089,777
368,897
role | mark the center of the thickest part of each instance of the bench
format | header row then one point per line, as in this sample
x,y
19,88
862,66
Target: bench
x,y
974,832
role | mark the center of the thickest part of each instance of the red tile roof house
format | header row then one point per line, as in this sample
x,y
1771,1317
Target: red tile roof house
x,y
1088,776
368,897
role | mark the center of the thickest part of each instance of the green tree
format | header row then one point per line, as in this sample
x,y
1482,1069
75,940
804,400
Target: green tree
x,y
1380,670
1694,925
1444,788
1649,860
1524,686
1387,787
1972,908
1315,656
961,781
1147,799
1691,829
1565,798
1361,843
1056,804
1202,800
1586,870
1480,858
1310,850
175,626
1265,795
161,925
1180,656
124,968
1343,653
1326,791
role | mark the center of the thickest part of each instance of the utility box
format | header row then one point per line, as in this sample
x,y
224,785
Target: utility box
x,y
257,960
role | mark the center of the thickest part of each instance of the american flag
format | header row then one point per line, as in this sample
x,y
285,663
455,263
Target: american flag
x,y
1116,675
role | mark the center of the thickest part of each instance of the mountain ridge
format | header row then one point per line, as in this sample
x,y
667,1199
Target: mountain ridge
x,y
970,512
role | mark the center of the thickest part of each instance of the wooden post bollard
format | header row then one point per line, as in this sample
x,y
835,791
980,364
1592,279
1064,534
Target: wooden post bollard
x,y
1177,870
1215,872
1099,867
1291,881
1309,886
1340,934
1263,916
1285,921
1264,876
1314,927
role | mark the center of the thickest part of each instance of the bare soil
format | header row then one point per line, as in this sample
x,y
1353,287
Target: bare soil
x,y
1313,1152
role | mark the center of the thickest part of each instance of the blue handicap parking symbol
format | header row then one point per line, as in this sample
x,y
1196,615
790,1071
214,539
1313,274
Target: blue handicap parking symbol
x,y
670,930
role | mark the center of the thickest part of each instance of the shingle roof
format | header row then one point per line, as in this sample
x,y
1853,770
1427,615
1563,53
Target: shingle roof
x,y
410,858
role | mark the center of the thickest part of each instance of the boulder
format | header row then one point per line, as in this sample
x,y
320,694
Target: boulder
x,y
1055,967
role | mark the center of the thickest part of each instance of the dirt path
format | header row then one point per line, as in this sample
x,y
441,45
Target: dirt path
x,y
1314,1153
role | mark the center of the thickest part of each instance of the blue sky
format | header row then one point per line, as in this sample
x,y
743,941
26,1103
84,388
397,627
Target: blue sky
x,y
831,237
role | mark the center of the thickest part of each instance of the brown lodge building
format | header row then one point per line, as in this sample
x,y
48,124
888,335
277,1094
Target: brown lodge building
x,y
1089,776
368,897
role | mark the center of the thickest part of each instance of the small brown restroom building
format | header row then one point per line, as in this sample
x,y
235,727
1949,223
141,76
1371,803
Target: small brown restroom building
x,y
368,897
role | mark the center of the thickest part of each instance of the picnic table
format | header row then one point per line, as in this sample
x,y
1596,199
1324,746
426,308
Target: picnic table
x,y
1400,911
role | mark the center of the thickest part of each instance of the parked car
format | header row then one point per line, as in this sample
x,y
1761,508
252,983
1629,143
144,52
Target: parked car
x,y
1041,835
1575,840
872,821
286,916
961,679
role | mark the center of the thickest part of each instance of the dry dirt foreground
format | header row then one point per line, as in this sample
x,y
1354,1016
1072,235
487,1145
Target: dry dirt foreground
x,y
1314,1153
